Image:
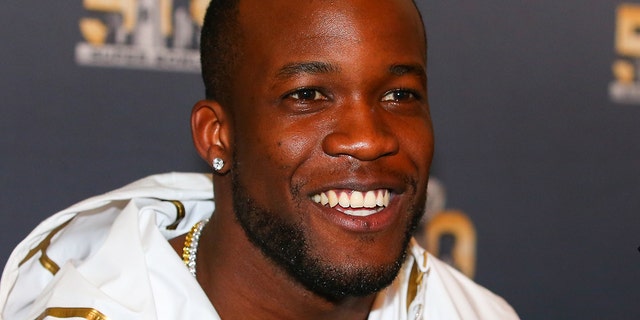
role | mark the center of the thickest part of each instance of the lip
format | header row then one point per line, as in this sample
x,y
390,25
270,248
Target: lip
x,y
362,183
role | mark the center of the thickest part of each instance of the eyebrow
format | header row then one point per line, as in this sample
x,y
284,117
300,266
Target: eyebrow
x,y
312,67
402,69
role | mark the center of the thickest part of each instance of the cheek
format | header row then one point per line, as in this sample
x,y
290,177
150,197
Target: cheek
x,y
296,145
271,152
418,142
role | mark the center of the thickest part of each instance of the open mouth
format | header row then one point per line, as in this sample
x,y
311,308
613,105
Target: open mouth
x,y
354,203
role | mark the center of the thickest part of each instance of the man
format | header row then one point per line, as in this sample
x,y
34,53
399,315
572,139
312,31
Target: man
x,y
317,127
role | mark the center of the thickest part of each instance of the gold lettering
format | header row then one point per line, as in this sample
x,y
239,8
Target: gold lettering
x,y
198,9
95,30
166,21
628,30
127,8
457,224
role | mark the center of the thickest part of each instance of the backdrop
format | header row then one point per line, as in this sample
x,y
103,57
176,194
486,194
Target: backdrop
x,y
536,109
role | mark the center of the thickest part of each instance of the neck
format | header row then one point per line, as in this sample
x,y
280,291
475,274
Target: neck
x,y
239,279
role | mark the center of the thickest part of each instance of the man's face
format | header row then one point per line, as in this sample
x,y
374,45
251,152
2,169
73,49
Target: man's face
x,y
332,138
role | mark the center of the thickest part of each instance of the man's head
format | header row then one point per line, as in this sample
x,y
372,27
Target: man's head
x,y
321,109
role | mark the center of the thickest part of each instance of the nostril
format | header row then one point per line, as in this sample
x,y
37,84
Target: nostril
x,y
360,131
362,145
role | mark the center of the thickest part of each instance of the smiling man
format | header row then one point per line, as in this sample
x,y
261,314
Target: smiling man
x,y
317,127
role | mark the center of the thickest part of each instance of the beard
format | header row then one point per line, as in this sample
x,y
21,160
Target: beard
x,y
285,243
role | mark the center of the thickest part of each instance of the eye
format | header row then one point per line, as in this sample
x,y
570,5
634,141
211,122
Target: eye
x,y
305,95
399,95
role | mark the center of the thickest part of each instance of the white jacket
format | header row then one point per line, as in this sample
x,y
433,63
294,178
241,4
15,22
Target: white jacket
x,y
108,258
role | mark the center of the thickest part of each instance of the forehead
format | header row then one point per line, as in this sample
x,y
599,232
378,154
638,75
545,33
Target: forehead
x,y
303,26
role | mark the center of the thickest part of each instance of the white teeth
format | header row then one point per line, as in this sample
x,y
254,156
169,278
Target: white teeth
x,y
354,199
333,198
379,199
323,199
357,200
343,201
370,199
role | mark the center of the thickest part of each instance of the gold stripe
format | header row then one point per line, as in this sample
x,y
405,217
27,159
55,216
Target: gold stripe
x,y
180,214
87,313
412,286
415,280
46,262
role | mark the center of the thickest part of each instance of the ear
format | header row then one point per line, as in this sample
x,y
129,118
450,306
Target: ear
x,y
210,131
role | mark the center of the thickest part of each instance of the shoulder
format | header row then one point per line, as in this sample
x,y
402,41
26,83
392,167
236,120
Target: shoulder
x,y
448,286
427,288
69,238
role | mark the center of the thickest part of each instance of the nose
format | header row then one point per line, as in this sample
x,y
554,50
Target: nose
x,y
362,132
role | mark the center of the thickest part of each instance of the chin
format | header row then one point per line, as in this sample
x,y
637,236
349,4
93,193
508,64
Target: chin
x,y
326,258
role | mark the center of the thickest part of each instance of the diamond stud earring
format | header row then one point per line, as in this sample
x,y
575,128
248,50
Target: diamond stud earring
x,y
218,164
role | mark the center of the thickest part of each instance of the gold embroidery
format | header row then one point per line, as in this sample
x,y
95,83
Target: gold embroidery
x,y
87,313
412,290
46,262
180,214
415,281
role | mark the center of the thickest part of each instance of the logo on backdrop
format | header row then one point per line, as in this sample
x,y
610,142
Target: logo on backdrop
x,y
626,68
449,234
141,34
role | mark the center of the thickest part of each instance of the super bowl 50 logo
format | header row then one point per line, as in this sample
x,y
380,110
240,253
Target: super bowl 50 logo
x,y
626,69
142,34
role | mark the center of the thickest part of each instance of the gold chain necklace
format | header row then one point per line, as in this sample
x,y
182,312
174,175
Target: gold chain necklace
x,y
190,249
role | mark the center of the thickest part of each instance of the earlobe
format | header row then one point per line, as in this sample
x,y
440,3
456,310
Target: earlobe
x,y
210,131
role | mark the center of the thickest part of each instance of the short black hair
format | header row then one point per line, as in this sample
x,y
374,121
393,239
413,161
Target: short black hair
x,y
219,47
